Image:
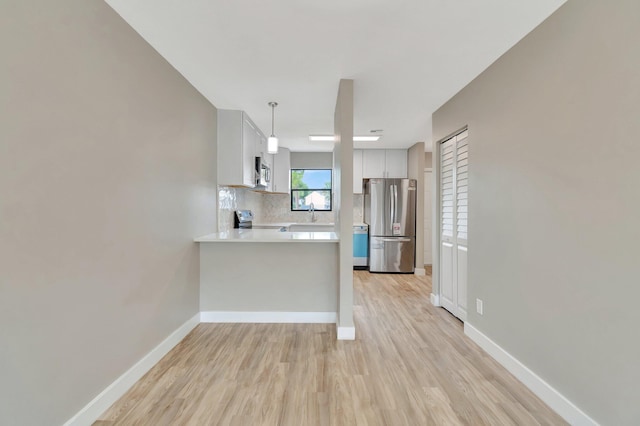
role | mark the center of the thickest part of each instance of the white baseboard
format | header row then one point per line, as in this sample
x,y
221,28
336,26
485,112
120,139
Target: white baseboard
x,y
346,333
435,299
554,399
121,385
420,271
269,317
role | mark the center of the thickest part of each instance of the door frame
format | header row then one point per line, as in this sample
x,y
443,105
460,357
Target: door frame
x,y
436,232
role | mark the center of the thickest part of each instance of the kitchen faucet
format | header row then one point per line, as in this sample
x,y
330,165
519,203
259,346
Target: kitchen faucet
x,y
312,210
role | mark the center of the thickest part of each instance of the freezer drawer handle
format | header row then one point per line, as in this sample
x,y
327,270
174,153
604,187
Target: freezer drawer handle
x,y
396,240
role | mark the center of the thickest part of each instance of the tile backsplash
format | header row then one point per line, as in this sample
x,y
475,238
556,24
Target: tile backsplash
x,y
270,208
232,199
358,208
277,208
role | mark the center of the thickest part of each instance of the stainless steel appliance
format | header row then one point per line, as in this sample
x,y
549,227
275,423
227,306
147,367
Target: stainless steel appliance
x,y
390,211
360,246
263,173
243,219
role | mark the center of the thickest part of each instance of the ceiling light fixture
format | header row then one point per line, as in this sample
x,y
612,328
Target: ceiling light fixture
x,y
272,142
324,138
320,138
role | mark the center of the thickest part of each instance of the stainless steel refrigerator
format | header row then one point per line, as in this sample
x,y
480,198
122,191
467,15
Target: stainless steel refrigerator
x,y
390,211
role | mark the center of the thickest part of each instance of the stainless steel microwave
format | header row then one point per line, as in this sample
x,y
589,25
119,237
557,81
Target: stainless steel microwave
x,y
262,173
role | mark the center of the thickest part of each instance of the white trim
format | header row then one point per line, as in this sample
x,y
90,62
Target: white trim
x,y
346,333
268,317
428,169
121,385
554,399
435,299
420,271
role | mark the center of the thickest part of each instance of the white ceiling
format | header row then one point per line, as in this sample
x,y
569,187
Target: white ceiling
x,y
407,57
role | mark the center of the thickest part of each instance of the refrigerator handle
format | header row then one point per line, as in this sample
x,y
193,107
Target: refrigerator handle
x,y
391,206
395,203
396,189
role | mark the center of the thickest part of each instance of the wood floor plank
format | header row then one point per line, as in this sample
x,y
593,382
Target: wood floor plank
x,y
410,364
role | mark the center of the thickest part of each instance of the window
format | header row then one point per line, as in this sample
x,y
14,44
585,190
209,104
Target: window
x,y
311,187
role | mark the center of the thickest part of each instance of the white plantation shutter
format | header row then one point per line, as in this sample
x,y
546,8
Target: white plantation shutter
x,y
462,185
447,169
454,199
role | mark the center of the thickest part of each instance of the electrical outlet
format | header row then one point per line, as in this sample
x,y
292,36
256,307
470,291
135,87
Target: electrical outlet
x,y
479,306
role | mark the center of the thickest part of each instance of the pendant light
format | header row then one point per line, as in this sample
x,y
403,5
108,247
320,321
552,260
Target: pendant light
x,y
272,142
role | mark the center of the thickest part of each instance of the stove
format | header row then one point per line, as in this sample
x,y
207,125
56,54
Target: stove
x,y
243,219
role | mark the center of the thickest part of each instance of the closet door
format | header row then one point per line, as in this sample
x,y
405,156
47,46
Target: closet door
x,y
454,189
447,217
462,216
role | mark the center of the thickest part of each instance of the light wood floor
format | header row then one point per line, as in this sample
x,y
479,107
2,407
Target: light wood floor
x,y
409,365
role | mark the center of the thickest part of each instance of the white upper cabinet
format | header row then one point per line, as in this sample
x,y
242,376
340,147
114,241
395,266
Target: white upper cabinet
x,y
396,163
384,163
357,171
261,144
373,163
281,170
236,148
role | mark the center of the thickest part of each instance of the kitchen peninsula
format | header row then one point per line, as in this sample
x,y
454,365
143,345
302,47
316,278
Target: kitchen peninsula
x,y
265,275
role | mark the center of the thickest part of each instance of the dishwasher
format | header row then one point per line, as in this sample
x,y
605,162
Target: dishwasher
x,y
360,246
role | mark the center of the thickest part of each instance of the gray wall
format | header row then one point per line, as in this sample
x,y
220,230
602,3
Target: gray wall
x,y
428,157
106,175
311,160
554,204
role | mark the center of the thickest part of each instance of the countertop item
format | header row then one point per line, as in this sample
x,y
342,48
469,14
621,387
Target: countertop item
x,y
268,236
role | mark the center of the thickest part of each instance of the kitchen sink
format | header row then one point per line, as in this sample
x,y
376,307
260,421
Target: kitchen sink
x,y
312,227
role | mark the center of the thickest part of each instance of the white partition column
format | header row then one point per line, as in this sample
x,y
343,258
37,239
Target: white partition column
x,y
343,204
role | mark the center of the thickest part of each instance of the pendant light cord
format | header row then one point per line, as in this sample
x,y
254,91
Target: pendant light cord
x,y
273,112
273,106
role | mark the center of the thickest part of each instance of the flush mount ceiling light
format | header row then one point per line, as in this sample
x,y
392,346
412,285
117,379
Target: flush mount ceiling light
x,y
326,138
320,138
272,142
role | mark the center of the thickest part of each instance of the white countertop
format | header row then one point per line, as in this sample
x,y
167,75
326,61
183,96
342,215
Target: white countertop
x,y
268,236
